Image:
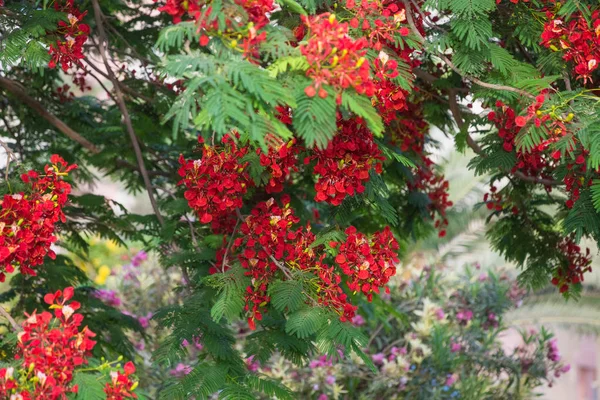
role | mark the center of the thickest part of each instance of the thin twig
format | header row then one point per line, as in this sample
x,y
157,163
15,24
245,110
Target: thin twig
x,y
477,81
10,156
10,319
123,107
19,93
123,87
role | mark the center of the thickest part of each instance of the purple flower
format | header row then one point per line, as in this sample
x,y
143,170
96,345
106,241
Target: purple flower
x,y
455,347
322,361
378,358
252,365
181,370
482,278
464,315
145,321
553,354
330,380
451,379
109,297
323,396
139,258
566,368
439,313
358,320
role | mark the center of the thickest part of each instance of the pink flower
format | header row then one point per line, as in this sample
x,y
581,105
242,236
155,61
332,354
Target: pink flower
x,y
464,316
358,320
440,314
451,379
181,370
378,358
455,347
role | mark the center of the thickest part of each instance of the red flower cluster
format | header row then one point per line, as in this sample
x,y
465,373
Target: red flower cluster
x,y
344,166
579,42
267,241
239,27
51,347
122,385
535,162
436,187
386,23
216,183
390,97
368,262
54,351
575,265
27,219
280,161
335,58
270,245
331,294
575,178
69,49
495,201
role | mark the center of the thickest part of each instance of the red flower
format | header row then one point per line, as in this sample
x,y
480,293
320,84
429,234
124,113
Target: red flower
x,y
521,121
27,220
344,166
216,183
368,262
335,59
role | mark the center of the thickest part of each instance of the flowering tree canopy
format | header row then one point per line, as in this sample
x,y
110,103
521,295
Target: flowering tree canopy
x,y
284,147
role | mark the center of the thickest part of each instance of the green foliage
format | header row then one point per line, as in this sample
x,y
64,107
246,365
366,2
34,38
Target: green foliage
x,y
231,287
91,386
287,295
361,106
315,123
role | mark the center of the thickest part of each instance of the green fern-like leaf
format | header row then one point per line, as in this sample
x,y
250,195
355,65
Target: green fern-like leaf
x,y
305,322
315,120
286,295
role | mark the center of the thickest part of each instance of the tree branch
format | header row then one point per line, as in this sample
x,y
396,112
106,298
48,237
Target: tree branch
x,y
16,90
123,107
10,319
477,81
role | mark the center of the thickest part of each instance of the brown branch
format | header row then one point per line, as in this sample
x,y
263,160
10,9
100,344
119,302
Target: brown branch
x,y
10,319
477,81
125,113
16,90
